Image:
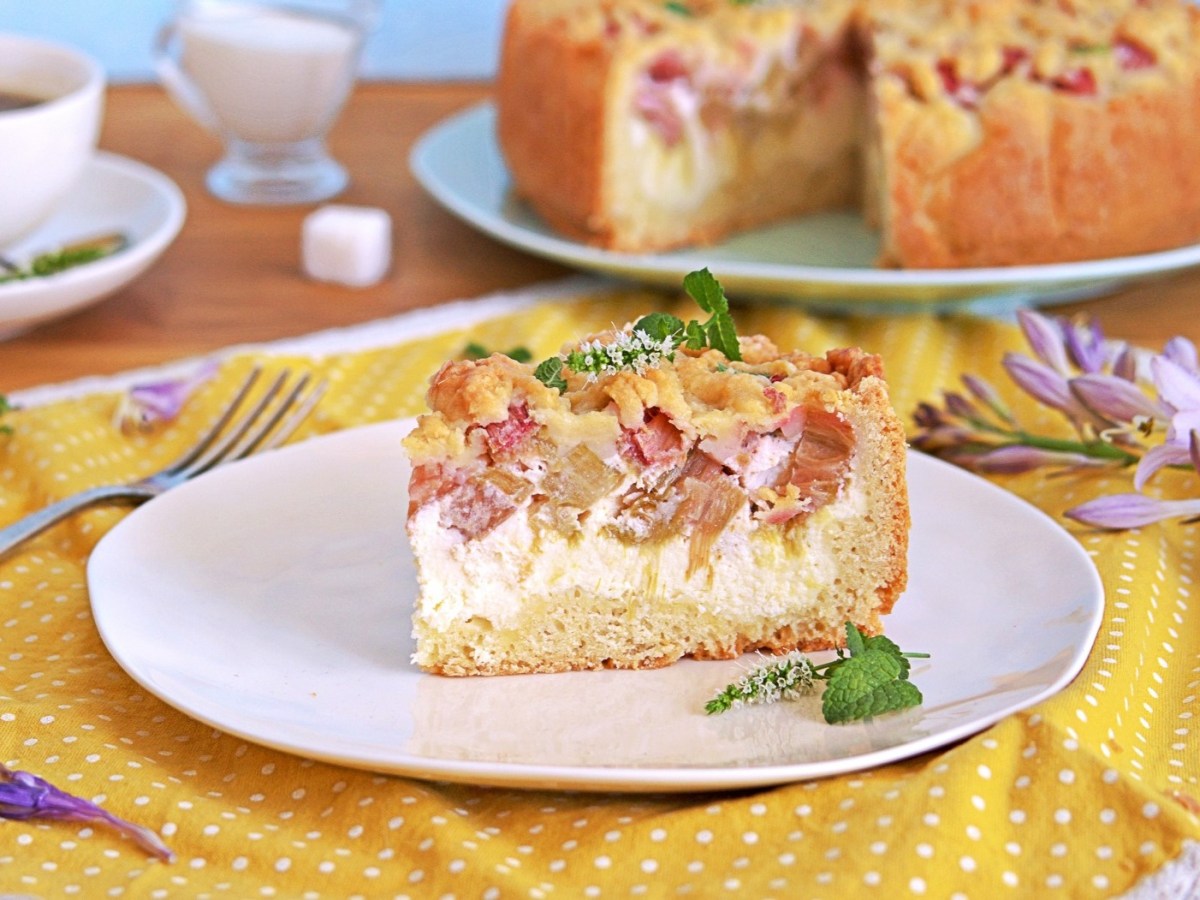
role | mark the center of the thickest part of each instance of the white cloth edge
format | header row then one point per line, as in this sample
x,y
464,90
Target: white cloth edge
x,y
1177,879
404,326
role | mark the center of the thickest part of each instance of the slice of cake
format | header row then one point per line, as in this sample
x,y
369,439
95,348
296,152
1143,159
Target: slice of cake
x,y
678,503
969,132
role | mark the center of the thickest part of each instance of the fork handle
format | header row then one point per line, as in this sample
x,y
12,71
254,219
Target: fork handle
x,y
37,522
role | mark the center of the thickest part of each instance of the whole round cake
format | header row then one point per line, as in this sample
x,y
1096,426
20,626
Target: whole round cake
x,y
968,132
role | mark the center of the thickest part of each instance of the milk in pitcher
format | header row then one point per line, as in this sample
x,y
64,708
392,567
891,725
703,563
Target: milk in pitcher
x,y
268,75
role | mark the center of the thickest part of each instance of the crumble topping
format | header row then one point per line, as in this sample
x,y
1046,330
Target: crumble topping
x,y
681,448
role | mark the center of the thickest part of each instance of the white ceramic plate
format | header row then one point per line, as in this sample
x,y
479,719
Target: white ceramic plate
x,y
272,599
822,260
115,194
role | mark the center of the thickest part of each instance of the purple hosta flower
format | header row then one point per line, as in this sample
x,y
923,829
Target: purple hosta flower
x,y
1120,511
1067,345
1046,339
145,404
986,394
1094,382
1179,394
1182,352
960,427
1086,346
25,796
1014,459
1046,385
938,431
978,432
1117,400
1117,396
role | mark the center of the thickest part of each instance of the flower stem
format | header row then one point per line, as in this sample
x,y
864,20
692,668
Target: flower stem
x,y
1097,449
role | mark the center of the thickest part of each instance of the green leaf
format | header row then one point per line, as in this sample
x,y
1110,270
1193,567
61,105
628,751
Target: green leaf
x,y
854,639
719,330
866,684
550,373
696,338
476,350
78,254
885,698
659,326
885,644
702,287
723,336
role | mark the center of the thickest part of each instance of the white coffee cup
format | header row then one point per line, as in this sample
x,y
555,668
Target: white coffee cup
x,y
44,145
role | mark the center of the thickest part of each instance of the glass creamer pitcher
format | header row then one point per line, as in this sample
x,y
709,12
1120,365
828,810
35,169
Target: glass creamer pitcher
x,y
269,77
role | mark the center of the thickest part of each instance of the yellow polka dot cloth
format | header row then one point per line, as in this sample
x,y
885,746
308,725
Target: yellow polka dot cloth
x,y
1092,793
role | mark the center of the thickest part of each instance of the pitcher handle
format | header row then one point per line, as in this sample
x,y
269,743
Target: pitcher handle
x,y
175,80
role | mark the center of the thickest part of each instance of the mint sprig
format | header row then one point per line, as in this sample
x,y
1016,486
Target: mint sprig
x,y
868,678
718,331
56,261
653,338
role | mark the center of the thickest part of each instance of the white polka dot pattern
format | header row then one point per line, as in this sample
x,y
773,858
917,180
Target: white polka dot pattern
x,y
1080,797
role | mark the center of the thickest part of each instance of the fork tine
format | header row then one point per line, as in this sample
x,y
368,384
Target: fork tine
x,y
264,427
206,439
253,438
219,451
299,414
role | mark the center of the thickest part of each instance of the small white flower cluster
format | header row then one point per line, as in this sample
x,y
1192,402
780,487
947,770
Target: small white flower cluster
x,y
634,350
787,678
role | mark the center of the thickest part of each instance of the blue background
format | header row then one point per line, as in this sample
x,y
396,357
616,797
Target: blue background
x,y
416,39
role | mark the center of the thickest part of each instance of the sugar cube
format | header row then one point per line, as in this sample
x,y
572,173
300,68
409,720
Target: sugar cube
x,y
349,245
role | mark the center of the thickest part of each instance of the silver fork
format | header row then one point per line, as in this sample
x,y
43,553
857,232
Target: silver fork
x,y
263,425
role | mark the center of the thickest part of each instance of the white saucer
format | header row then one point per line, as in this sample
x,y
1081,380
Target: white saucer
x,y
823,260
115,194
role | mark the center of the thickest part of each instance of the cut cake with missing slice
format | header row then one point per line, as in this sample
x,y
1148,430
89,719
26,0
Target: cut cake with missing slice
x,y
698,507
968,132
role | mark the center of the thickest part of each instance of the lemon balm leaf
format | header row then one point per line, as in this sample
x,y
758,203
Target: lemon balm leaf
x,y
855,639
719,330
476,350
852,695
550,373
704,288
887,645
722,336
659,325
696,338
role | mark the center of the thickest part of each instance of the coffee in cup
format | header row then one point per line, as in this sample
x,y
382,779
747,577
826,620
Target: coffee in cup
x,y
51,105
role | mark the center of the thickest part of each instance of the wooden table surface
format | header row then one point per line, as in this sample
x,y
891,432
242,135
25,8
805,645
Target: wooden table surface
x,y
233,274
